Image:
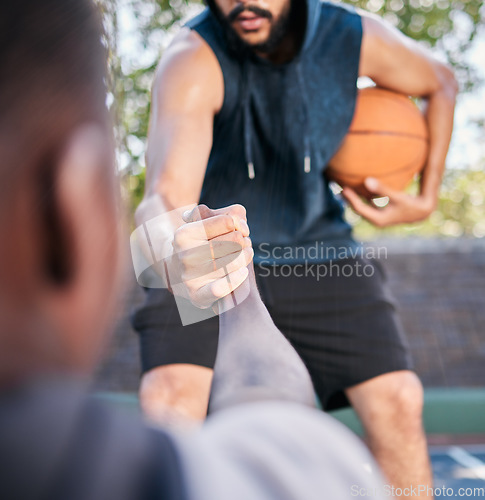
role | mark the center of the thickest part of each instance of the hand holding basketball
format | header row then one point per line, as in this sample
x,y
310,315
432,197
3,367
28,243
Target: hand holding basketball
x,y
387,140
402,207
386,147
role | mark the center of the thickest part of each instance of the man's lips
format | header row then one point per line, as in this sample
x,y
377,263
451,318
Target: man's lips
x,y
250,21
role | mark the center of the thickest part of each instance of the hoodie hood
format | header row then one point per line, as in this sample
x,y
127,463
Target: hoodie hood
x,y
313,17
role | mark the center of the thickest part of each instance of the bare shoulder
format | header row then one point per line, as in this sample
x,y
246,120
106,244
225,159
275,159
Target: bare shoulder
x,y
376,30
189,71
397,62
383,46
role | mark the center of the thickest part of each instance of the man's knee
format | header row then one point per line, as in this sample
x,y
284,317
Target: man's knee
x,y
393,400
408,398
400,402
180,388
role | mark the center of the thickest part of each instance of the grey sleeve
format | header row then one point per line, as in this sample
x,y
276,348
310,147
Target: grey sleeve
x,y
276,451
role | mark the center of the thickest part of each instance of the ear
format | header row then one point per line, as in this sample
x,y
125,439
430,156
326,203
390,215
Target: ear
x,y
84,197
80,305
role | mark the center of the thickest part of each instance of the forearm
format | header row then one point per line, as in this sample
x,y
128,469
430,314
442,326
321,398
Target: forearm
x,y
439,115
152,241
254,359
167,196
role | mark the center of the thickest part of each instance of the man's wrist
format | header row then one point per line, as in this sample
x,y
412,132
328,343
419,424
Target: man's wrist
x,y
429,203
430,189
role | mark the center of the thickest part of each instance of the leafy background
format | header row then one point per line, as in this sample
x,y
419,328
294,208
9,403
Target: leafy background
x,y
137,32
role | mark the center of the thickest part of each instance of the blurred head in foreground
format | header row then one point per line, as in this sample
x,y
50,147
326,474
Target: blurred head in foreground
x,y
59,252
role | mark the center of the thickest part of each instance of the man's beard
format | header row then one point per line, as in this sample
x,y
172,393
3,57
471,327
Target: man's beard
x,y
278,31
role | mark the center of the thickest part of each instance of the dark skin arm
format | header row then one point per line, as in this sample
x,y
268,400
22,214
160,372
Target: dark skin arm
x,y
398,63
254,359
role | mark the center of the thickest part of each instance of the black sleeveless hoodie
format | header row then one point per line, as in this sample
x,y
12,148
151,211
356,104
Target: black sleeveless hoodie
x,y
278,127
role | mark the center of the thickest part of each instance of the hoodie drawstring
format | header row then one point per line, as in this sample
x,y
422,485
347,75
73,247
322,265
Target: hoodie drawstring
x,y
307,162
248,151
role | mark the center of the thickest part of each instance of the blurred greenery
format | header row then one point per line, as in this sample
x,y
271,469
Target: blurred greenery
x,y
450,26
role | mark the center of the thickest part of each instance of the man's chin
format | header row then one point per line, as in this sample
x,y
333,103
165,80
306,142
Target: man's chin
x,y
241,41
253,38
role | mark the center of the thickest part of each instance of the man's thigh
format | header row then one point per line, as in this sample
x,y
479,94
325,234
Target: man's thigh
x,y
163,339
344,325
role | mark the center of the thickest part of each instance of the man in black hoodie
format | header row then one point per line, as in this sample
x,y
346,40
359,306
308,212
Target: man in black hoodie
x,y
250,102
59,280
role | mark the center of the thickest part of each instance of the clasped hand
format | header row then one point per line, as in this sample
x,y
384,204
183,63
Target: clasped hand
x,y
211,252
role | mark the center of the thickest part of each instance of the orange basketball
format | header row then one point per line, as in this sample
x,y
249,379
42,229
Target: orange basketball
x,y
387,139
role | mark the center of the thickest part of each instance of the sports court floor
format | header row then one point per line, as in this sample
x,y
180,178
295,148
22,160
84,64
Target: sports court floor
x,y
460,470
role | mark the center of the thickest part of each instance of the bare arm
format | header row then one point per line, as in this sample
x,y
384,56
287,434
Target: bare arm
x,y
254,360
187,93
398,63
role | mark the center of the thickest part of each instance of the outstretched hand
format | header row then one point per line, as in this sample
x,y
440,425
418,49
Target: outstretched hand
x,y
401,208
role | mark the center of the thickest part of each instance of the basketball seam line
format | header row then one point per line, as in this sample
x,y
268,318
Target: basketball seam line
x,y
380,132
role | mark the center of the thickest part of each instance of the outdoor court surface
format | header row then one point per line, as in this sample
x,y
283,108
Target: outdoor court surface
x,y
458,467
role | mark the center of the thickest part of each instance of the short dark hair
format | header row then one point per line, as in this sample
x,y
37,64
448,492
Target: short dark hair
x,y
51,55
52,74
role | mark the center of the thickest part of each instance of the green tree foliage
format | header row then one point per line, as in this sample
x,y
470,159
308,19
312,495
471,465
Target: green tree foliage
x,y
131,88
449,26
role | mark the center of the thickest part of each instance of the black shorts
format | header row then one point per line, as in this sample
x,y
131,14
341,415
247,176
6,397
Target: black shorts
x,y
343,323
